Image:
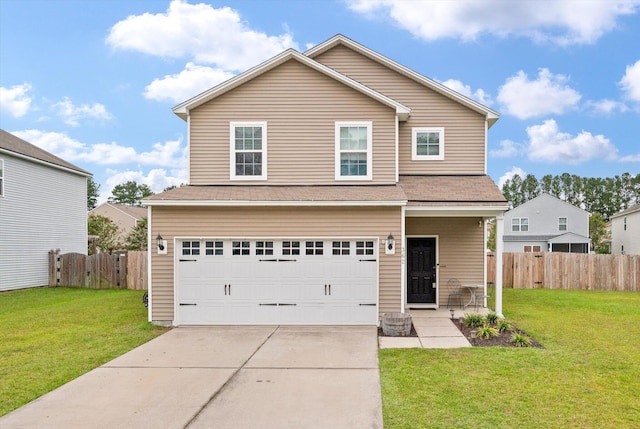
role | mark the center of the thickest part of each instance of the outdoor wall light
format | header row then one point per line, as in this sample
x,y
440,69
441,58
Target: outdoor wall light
x,y
390,247
162,245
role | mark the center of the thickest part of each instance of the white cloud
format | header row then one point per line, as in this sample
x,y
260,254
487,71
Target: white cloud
x,y
509,175
479,95
15,101
606,106
548,94
507,149
167,154
561,22
157,179
191,81
72,114
548,144
630,158
198,32
630,82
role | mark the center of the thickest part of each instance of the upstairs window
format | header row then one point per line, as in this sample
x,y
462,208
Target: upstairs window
x,y
520,224
427,144
562,224
353,150
248,151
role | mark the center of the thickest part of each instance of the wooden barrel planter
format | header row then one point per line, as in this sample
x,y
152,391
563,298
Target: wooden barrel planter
x,y
396,324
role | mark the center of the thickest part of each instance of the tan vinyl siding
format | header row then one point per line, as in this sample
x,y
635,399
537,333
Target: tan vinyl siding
x,y
464,128
300,106
264,222
460,246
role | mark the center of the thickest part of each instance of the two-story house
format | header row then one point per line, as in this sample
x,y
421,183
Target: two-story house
x,y
328,187
546,224
625,231
43,206
124,217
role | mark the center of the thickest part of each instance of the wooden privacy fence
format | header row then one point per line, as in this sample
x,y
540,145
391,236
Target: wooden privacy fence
x,y
554,270
126,270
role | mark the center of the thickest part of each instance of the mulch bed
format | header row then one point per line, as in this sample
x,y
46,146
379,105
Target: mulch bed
x,y
502,340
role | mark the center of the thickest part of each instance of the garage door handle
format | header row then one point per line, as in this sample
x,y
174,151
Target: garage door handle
x,y
185,305
287,260
367,305
188,260
267,260
367,260
283,305
270,305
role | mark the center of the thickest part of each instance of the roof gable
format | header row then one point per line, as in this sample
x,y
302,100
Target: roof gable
x,y
23,149
547,199
183,109
491,115
628,211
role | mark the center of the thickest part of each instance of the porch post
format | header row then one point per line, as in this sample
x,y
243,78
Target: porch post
x,y
499,248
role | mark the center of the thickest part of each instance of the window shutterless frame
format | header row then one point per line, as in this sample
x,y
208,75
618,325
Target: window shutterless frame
x,y
354,157
427,144
248,150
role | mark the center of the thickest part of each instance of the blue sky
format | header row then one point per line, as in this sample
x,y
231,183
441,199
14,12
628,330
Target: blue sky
x,y
94,81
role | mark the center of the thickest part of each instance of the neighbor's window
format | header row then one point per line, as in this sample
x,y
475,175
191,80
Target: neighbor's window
x,y
248,151
353,150
520,224
1,177
427,144
562,224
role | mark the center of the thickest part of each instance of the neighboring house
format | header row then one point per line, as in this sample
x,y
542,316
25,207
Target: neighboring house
x,y
328,187
43,206
625,231
124,217
546,224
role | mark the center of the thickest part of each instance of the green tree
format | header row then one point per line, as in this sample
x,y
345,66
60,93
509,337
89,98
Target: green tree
x,y
130,193
598,233
93,191
105,230
137,237
491,239
530,188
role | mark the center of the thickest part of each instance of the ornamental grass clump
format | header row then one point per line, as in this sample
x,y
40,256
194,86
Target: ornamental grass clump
x,y
473,320
503,326
486,332
492,318
521,340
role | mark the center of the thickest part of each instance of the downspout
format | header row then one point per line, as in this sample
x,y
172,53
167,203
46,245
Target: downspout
x,y
149,266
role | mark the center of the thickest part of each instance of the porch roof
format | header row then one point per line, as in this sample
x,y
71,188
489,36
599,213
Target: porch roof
x,y
452,190
281,195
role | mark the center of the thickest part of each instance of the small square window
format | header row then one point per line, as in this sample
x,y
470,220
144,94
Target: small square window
x,y
290,248
191,248
427,144
264,247
364,248
341,247
213,248
520,224
242,248
314,248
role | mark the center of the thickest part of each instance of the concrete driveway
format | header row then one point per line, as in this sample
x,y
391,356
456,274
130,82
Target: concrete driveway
x,y
224,377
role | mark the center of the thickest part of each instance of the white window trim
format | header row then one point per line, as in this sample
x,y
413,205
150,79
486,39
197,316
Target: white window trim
x,y
232,150
414,144
519,224
369,125
566,223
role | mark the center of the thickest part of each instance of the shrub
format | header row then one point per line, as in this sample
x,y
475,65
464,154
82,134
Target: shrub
x,y
492,317
503,326
521,340
473,320
486,332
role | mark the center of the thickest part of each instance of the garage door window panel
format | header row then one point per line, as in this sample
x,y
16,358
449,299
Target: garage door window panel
x,y
190,248
214,248
341,248
241,248
290,248
264,248
365,248
314,248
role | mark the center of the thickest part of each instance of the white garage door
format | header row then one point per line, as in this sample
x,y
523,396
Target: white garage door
x,y
314,281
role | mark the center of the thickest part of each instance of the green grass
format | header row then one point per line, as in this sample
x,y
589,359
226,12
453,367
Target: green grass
x,y
588,375
50,336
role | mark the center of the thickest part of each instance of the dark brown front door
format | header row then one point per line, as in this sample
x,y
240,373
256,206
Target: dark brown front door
x,y
421,270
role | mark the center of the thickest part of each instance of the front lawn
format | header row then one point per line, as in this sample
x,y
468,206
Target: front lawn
x,y
49,336
587,376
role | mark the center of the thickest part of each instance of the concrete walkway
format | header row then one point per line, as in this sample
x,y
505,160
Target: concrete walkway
x,y
224,377
435,331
